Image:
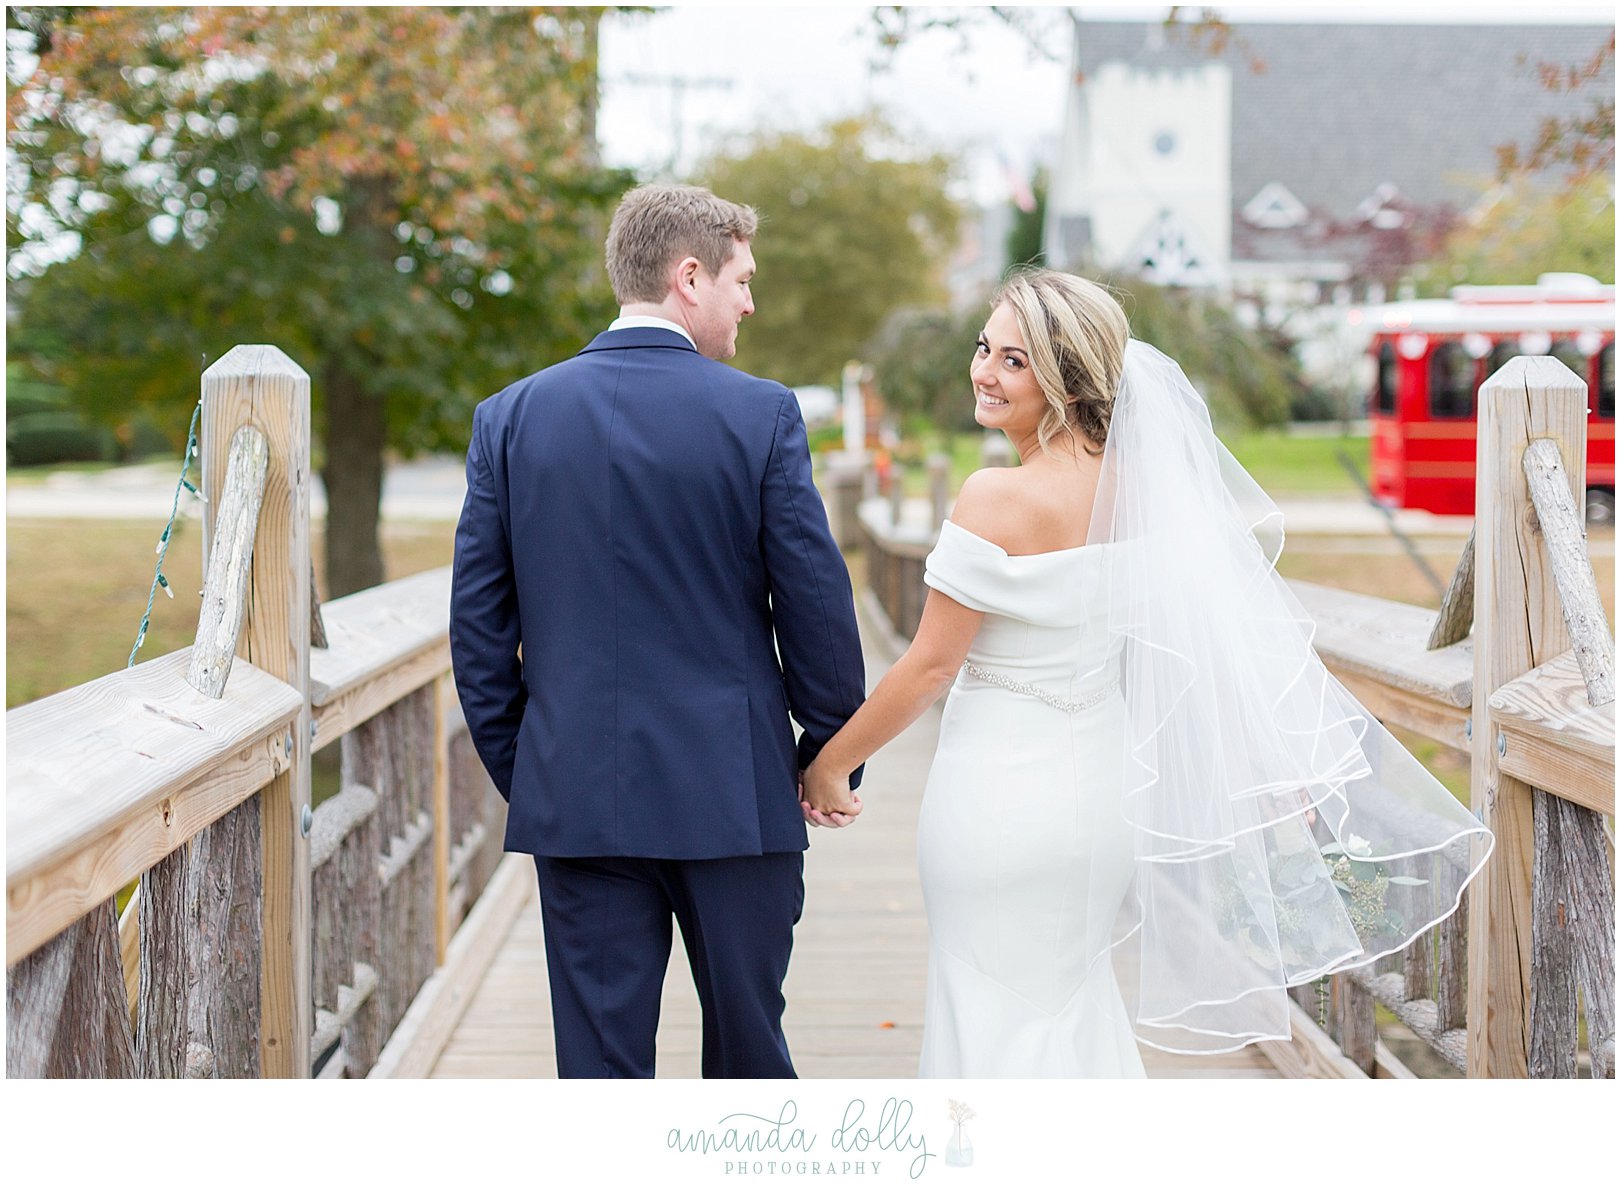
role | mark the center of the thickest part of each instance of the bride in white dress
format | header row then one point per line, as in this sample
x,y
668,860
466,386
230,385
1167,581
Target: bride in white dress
x,y
1140,755
1022,847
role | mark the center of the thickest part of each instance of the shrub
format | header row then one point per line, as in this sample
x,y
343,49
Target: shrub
x,y
920,360
52,437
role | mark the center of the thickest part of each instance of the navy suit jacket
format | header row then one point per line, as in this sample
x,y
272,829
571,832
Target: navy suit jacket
x,y
642,521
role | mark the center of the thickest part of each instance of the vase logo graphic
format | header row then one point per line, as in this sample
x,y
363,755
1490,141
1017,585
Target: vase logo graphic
x,y
959,1149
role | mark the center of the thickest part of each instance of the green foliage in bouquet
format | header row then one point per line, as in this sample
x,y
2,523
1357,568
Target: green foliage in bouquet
x,y
1302,884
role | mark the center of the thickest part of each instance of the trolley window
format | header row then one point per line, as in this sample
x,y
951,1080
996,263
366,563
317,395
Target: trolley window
x,y
1384,397
1502,351
1567,353
1606,381
1452,381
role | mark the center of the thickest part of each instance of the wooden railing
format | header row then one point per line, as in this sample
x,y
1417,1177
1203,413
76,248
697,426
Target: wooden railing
x,y
264,935
1529,699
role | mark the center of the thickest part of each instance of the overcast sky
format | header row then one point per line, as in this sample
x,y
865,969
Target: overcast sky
x,y
792,67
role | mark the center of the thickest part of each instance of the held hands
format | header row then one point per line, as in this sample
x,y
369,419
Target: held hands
x,y
825,798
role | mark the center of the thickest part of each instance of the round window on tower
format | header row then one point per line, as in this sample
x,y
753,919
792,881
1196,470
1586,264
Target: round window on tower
x,y
1165,143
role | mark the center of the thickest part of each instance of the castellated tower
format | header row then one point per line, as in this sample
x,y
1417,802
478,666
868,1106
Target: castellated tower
x,y
1144,181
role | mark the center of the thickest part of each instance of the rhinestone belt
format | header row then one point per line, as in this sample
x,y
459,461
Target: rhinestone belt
x,y
1024,687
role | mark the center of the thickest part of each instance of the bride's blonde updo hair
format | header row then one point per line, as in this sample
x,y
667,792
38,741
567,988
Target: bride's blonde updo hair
x,y
1075,334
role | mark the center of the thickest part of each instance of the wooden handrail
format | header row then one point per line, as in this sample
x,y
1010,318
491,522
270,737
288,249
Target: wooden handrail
x,y
382,644
207,801
1552,739
1378,649
105,779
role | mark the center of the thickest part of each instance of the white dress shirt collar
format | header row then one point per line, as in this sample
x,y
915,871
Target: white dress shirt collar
x,y
632,321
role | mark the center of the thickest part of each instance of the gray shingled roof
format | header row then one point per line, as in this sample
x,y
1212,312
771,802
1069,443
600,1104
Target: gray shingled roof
x,y
1340,109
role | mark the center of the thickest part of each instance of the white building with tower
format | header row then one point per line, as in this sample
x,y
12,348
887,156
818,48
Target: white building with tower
x,y
1143,183
1302,164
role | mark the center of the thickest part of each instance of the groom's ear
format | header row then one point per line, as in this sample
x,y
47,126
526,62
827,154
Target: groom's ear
x,y
686,278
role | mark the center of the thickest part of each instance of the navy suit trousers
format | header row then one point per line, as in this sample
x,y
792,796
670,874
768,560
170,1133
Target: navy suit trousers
x,y
608,934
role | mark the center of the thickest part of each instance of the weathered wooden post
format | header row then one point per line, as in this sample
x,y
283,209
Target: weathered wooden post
x,y
165,899
259,1022
1560,518
1518,625
235,516
1457,614
1572,886
995,450
939,489
845,479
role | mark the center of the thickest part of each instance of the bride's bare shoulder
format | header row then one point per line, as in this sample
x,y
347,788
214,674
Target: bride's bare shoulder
x,y
1023,510
991,505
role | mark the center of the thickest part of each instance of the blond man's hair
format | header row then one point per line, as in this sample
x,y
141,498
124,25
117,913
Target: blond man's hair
x,y
1075,334
656,225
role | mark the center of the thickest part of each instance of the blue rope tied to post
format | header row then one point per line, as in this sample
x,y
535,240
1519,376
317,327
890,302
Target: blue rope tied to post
x,y
158,578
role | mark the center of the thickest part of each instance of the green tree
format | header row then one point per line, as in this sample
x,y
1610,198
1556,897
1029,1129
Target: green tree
x,y
406,200
850,229
1530,230
921,357
1247,377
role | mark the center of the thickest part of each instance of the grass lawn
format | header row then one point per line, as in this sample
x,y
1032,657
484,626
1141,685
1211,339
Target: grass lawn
x,y
964,451
1282,465
1285,466
75,590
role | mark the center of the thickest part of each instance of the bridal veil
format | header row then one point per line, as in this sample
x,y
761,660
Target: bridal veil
x,y
1280,833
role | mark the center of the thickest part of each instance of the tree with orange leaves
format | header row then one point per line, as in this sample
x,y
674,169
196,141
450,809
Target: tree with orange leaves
x,y
407,200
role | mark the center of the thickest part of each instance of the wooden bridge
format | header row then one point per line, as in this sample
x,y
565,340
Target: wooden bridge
x,y
855,985
383,933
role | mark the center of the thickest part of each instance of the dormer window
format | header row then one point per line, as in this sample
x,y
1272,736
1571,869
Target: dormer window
x,y
1168,252
1385,209
1274,208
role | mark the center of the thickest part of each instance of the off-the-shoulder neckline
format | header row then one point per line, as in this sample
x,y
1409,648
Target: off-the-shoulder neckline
x,y
1021,556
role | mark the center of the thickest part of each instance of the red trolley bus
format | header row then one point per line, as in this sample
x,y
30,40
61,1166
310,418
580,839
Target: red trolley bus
x,y
1431,358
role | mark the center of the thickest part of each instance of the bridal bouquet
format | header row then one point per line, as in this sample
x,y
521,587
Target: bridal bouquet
x,y
1364,885
1298,882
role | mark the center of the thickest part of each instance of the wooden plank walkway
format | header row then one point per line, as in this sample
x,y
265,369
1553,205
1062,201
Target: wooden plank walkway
x,y
855,985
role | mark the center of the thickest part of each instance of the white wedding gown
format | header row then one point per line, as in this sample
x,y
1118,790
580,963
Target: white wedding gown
x,y
1022,850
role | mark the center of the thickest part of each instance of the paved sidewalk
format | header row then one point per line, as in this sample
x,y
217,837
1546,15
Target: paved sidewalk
x,y
428,489
432,489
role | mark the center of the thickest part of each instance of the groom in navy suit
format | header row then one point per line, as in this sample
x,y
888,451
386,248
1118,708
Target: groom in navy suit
x,y
640,521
